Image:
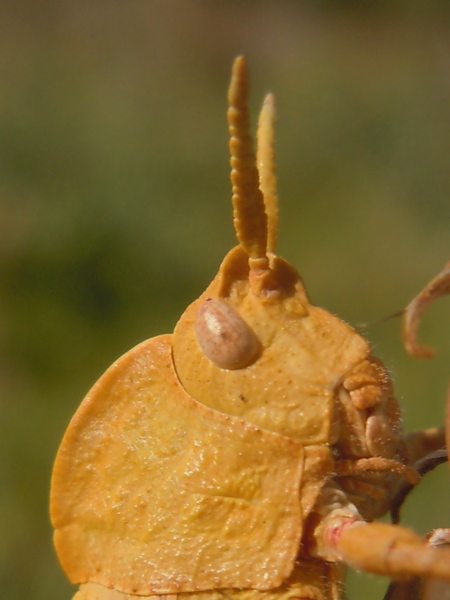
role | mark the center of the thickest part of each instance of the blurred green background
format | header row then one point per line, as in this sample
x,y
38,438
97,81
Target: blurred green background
x,y
115,211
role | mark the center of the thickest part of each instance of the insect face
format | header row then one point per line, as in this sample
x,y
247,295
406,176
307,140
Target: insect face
x,y
295,354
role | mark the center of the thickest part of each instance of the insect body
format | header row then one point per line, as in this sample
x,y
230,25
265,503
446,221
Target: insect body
x,y
246,454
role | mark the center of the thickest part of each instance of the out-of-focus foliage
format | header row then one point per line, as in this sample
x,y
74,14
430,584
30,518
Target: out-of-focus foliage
x,y
114,202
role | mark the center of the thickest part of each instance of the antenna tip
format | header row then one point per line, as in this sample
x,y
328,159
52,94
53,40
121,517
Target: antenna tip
x,y
239,62
267,115
269,101
239,81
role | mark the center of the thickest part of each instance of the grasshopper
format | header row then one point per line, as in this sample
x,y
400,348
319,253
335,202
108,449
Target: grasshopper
x,y
248,454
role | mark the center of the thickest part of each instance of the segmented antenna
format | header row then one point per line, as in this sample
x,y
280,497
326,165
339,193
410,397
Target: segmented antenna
x,y
265,154
249,217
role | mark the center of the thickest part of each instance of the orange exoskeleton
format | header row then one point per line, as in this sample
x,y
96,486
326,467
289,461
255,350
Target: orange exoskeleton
x,y
246,455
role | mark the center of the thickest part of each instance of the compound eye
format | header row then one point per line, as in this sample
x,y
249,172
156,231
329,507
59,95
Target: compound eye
x,y
224,337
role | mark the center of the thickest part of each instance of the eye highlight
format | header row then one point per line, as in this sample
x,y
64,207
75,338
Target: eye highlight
x,y
224,337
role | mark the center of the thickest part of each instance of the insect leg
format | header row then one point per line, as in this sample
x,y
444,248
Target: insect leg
x,y
388,550
341,534
437,287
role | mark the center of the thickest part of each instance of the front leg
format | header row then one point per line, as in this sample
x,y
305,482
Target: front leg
x,y
390,550
341,534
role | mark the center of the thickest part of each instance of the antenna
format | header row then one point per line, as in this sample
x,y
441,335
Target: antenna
x,y
249,216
